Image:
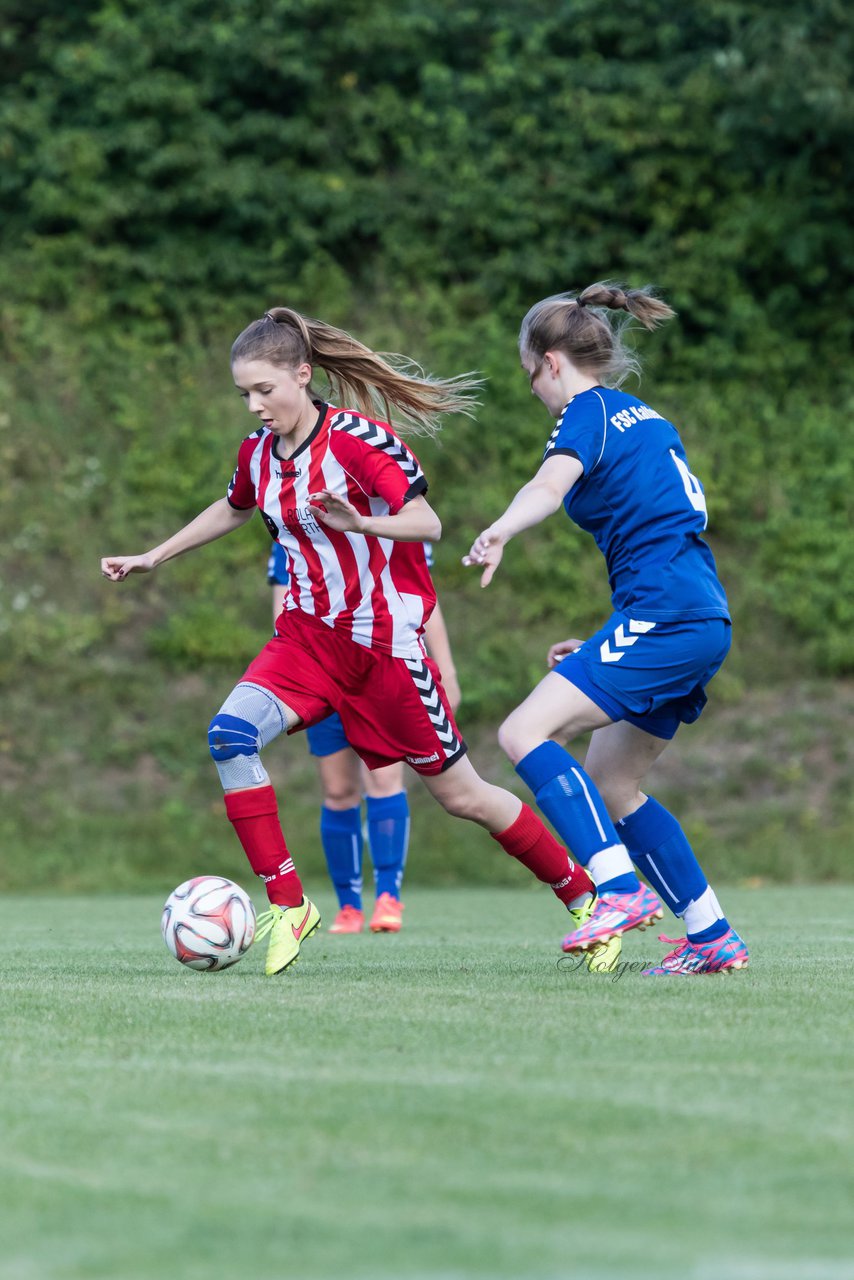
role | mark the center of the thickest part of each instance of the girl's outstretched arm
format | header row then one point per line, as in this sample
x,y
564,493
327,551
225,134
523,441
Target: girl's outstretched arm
x,y
536,500
215,521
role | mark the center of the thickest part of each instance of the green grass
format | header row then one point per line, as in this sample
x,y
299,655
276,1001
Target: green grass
x,y
446,1103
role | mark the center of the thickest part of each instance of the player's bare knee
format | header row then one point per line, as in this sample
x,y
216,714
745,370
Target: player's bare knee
x,y
462,804
618,796
339,794
513,741
383,783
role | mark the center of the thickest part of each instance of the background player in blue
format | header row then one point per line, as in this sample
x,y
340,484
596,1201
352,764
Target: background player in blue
x,y
344,780
620,471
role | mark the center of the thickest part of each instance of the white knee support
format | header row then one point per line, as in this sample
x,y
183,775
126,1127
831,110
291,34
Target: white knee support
x,y
249,718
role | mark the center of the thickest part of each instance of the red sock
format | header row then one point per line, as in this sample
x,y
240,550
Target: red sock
x,y
536,848
255,817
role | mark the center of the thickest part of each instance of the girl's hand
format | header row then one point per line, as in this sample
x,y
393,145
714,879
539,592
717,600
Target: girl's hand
x,y
561,649
487,550
336,512
117,568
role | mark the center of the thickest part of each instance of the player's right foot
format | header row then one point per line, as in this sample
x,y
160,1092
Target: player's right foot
x,y
388,915
601,957
349,920
288,928
612,915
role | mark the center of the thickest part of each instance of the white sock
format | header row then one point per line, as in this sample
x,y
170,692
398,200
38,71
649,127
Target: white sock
x,y
702,913
610,863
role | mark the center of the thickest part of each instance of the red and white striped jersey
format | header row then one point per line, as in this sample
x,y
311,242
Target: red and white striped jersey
x,y
375,590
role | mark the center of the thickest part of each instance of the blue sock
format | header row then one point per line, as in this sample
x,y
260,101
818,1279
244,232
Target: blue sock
x,y
388,837
714,931
341,837
625,883
570,801
660,849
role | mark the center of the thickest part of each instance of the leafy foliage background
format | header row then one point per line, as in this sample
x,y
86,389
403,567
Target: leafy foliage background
x,y
421,173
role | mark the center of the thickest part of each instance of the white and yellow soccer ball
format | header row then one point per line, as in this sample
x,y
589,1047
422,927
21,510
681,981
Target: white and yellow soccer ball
x,y
208,923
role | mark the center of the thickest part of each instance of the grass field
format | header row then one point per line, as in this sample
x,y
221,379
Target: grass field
x,y
450,1102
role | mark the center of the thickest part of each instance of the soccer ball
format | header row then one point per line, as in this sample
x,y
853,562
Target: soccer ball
x,y
208,923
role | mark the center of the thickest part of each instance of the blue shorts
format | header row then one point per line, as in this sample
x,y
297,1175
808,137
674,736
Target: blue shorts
x,y
277,566
327,736
652,674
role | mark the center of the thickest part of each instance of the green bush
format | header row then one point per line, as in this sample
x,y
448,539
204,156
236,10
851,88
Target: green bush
x,y
419,173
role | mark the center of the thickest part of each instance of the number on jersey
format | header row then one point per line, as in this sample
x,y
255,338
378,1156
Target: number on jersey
x,y
693,488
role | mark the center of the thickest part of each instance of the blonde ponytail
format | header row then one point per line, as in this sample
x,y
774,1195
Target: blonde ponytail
x,y
378,384
640,303
579,325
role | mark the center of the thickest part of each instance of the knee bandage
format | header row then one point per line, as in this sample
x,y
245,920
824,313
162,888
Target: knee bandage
x,y
249,718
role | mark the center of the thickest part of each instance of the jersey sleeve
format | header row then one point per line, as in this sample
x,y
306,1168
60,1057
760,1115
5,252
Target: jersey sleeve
x,y
380,463
580,432
241,491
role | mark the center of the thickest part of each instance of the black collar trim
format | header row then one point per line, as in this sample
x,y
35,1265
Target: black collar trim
x,y
322,410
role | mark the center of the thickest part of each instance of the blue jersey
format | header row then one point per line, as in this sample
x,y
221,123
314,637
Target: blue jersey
x,y
645,509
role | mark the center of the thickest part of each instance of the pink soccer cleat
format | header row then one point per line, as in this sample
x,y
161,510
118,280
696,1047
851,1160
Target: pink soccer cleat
x,y
348,920
612,915
388,915
728,952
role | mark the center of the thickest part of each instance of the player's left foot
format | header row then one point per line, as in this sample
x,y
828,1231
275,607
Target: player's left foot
x,y
728,952
288,928
612,915
388,915
601,957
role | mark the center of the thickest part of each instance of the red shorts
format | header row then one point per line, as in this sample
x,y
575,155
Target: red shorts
x,y
392,708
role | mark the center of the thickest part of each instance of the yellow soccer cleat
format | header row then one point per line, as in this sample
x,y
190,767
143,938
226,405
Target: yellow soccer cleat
x,y
288,928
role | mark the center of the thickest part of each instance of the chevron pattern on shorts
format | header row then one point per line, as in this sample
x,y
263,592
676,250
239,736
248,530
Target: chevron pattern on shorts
x,y
422,678
623,641
379,438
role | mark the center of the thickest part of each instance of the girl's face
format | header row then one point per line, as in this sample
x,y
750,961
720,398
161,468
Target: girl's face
x,y
277,396
555,380
545,383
